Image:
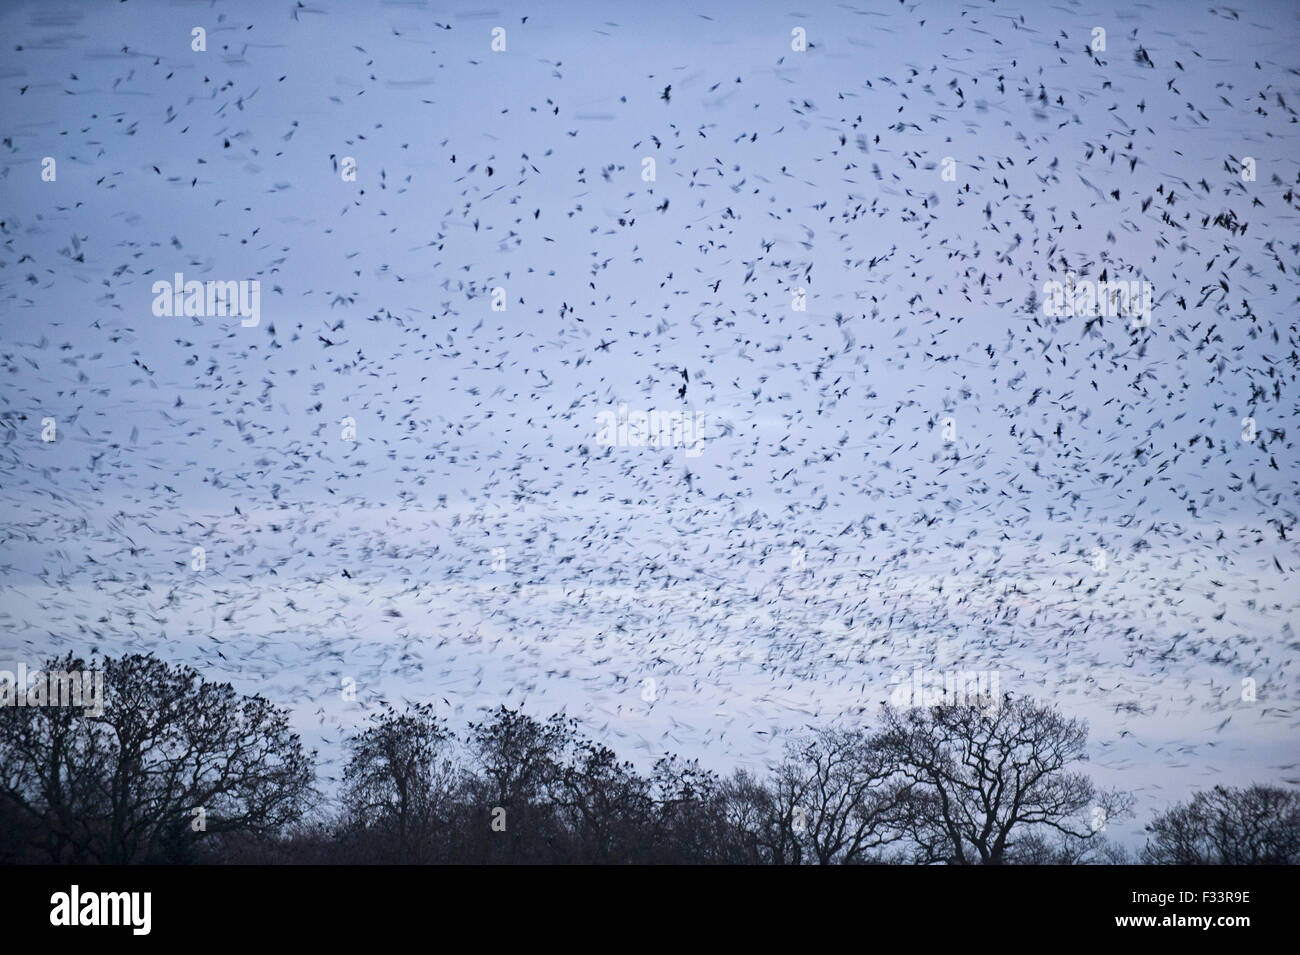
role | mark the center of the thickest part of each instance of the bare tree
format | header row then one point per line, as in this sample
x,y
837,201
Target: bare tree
x,y
761,824
1253,825
521,765
400,781
985,775
691,823
1036,848
171,759
605,803
842,794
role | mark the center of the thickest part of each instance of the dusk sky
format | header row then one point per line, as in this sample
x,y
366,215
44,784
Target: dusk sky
x,y
1091,524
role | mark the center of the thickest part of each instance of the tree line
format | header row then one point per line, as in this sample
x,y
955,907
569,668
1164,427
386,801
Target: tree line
x,y
180,770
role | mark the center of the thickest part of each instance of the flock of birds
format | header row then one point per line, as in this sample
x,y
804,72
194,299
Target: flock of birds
x,y
836,255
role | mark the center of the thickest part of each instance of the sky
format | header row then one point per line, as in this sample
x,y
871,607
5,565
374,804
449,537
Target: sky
x,y
916,468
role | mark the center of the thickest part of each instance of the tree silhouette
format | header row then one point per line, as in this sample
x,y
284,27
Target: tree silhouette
x,y
691,823
169,749
606,803
399,784
520,762
987,774
946,784
761,822
1253,825
843,796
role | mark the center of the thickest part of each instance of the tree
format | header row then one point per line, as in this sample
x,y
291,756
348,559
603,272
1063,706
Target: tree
x,y
690,823
399,783
842,795
521,762
171,761
762,824
985,775
606,803
1036,848
1253,825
